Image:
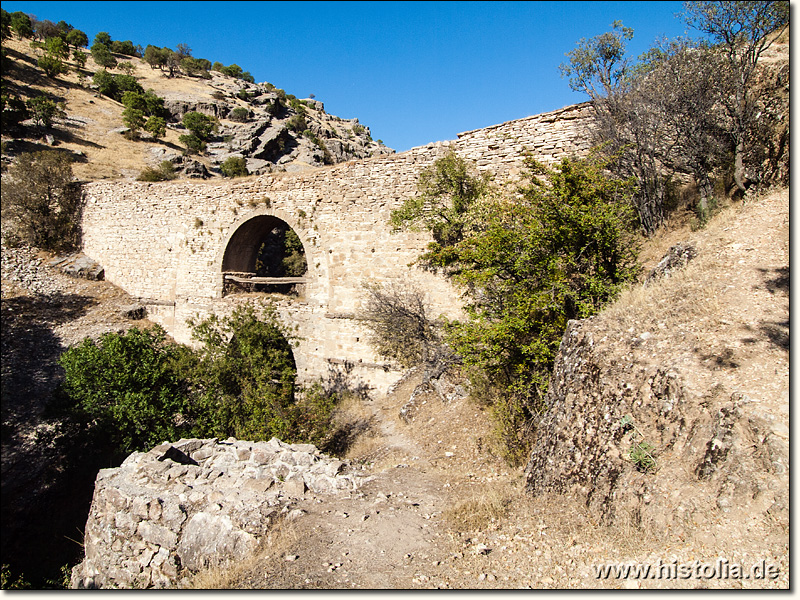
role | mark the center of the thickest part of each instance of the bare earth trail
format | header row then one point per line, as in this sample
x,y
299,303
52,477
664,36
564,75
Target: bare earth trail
x,y
387,534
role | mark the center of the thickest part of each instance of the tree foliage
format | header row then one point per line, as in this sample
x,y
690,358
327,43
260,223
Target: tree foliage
x,y
42,201
685,107
102,56
447,193
77,39
134,390
21,24
126,389
43,110
743,31
559,248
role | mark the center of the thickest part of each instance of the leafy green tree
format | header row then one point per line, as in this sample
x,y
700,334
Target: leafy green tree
x,y
183,51
43,110
195,67
102,56
134,100
154,105
21,24
127,67
127,48
41,200
234,166
155,57
156,127
134,120
743,30
103,38
57,48
77,39
200,125
5,24
52,66
80,58
125,390
193,143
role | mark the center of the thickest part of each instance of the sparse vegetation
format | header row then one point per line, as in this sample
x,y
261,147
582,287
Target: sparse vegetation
x,y
164,172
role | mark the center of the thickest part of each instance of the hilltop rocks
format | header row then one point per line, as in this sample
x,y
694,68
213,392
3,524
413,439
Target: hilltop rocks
x,y
184,506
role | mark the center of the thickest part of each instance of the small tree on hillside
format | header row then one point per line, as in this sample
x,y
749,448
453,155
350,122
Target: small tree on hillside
x,y
42,201
43,110
77,39
102,56
744,30
21,24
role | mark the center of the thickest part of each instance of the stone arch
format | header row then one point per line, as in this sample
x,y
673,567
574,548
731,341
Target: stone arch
x,y
241,245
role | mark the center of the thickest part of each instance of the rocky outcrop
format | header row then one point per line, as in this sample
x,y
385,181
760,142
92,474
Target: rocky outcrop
x,y
626,436
275,133
676,258
79,265
184,506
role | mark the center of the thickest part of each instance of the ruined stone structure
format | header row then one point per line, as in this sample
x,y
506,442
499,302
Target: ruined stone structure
x,y
169,243
182,507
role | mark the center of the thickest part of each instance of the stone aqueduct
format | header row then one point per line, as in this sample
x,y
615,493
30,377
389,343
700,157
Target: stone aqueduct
x,y
167,243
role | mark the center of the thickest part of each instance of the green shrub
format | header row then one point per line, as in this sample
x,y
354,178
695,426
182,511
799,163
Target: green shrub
x,y
193,143
200,125
43,110
115,86
102,56
558,249
244,376
52,66
164,172
239,114
297,123
125,390
234,166
156,127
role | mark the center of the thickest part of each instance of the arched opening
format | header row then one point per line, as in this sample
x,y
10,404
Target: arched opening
x,y
264,255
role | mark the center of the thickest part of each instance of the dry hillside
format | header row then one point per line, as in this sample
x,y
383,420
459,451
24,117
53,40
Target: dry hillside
x,y
92,130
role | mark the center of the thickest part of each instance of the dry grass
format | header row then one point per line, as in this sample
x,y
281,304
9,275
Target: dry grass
x,y
485,506
226,575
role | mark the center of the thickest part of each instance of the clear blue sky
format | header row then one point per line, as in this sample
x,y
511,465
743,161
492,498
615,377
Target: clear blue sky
x,y
413,72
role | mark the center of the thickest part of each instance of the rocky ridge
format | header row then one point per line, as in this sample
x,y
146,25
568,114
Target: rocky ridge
x,y
270,129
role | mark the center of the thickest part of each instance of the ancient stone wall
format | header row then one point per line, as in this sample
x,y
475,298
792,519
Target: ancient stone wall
x,y
165,242
182,507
